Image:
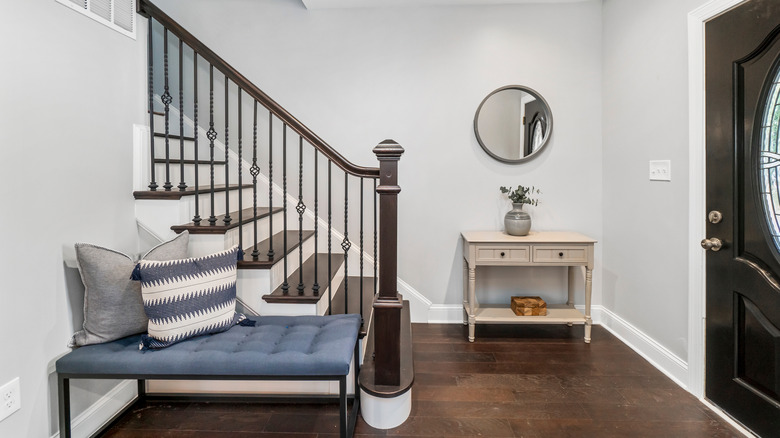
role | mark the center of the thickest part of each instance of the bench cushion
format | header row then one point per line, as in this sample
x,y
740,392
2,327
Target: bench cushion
x,y
275,346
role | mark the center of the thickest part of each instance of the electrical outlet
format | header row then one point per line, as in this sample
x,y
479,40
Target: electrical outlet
x,y
10,398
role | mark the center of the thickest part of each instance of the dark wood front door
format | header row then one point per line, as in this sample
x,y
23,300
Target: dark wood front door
x,y
743,185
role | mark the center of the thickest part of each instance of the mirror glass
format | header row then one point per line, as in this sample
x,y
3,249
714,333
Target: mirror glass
x,y
513,123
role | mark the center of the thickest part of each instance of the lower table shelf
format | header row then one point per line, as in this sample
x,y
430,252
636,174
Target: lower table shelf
x,y
501,314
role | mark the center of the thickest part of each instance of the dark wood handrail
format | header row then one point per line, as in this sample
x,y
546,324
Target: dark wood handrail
x,y
148,9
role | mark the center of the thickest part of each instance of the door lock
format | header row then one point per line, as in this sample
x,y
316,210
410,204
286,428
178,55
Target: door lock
x,y
715,217
712,244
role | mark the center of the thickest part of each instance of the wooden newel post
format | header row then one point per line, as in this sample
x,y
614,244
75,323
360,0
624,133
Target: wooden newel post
x,y
388,304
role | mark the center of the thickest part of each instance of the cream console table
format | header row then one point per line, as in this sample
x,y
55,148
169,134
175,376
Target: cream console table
x,y
542,248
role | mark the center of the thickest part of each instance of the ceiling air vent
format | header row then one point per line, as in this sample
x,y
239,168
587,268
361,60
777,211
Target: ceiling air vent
x,y
116,14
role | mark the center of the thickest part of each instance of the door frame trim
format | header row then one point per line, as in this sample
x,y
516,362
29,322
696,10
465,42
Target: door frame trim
x,y
697,157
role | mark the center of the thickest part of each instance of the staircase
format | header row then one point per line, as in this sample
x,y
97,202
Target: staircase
x,y
229,165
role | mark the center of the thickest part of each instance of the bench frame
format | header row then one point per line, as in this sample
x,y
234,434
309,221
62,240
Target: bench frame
x,y
347,420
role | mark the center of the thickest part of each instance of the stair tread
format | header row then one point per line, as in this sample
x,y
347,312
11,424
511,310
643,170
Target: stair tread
x,y
263,261
308,296
173,136
178,161
352,285
175,193
204,227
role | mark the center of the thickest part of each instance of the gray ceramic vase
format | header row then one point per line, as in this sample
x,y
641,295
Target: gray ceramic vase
x,y
517,222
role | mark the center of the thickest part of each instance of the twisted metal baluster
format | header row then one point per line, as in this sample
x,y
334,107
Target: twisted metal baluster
x,y
211,135
300,208
330,270
227,219
182,185
240,174
254,170
376,257
346,244
361,249
196,219
285,284
316,287
271,186
166,100
152,183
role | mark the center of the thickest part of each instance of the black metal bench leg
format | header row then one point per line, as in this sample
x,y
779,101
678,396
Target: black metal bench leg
x,y
63,397
141,389
343,407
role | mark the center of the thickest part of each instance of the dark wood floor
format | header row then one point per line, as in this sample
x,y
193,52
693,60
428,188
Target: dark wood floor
x,y
514,381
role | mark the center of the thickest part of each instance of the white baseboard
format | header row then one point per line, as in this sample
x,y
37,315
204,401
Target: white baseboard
x,y
94,417
659,356
445,314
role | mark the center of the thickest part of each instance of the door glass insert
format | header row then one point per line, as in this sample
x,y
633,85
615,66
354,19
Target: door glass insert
x,y
769,159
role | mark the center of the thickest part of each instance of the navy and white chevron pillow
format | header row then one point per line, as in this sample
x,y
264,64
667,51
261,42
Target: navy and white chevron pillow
x,y
189,297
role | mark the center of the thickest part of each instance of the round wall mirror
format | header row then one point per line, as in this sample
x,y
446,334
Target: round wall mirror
x,y
513,123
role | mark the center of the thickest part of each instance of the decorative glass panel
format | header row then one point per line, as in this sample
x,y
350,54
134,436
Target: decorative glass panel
x,y
769,160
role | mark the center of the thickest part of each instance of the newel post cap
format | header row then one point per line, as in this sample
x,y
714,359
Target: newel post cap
x,y
388,150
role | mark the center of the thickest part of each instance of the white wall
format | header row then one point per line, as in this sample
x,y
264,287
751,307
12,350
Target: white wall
x,y
71,90
646,118
417,75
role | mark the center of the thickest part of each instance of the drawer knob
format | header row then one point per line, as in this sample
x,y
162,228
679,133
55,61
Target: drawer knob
x,y
503,253
560,254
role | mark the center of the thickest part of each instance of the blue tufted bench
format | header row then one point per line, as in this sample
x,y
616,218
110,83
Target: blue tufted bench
x,y
276,348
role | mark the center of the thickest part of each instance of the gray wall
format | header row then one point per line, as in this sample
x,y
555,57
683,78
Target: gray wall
x,y
417,75
645,118
71,91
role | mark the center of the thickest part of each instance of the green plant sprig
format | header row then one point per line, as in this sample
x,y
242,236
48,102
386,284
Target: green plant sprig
x,y
520,194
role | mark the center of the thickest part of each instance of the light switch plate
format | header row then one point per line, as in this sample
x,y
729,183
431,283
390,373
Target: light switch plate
x,y
660,170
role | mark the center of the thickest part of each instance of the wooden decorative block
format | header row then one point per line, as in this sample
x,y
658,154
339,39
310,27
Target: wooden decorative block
x,y
529,306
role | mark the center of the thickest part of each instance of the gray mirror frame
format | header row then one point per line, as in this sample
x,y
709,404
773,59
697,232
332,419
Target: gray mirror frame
x,y
546,137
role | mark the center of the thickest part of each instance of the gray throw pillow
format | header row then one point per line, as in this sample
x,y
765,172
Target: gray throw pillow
x,y
113,307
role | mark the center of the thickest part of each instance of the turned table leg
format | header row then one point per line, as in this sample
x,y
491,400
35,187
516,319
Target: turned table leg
x,y
472,301
588,290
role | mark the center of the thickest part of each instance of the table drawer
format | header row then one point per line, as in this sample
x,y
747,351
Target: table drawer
x,y
509,254
560,254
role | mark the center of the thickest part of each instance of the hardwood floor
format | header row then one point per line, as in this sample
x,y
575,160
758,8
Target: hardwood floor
x,y
514,381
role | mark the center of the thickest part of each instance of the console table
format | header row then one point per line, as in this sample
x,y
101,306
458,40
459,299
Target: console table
x,y
541,248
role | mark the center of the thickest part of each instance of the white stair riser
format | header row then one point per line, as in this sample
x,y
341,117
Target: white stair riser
x,y
263,229
291,309
204,174
204,200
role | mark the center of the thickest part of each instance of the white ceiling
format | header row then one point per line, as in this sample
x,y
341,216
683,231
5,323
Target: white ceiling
x,y
333,4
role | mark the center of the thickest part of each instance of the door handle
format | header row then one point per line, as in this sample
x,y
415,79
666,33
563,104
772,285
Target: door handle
x,y
712,244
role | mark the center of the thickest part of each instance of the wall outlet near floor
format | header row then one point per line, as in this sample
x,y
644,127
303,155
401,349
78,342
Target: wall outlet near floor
x,y
660,170
10,398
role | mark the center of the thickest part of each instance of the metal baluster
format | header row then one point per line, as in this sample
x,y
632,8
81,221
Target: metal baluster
x,y
166,100
316,287
196,219
227,218
361,249
285,284
345,244
254,170
150,56
376,256
300,208
182,184
271,186
212,135
330,270
240,173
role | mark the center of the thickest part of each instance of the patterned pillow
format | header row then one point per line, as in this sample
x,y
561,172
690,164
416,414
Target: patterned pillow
x,y
189,297
112,303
